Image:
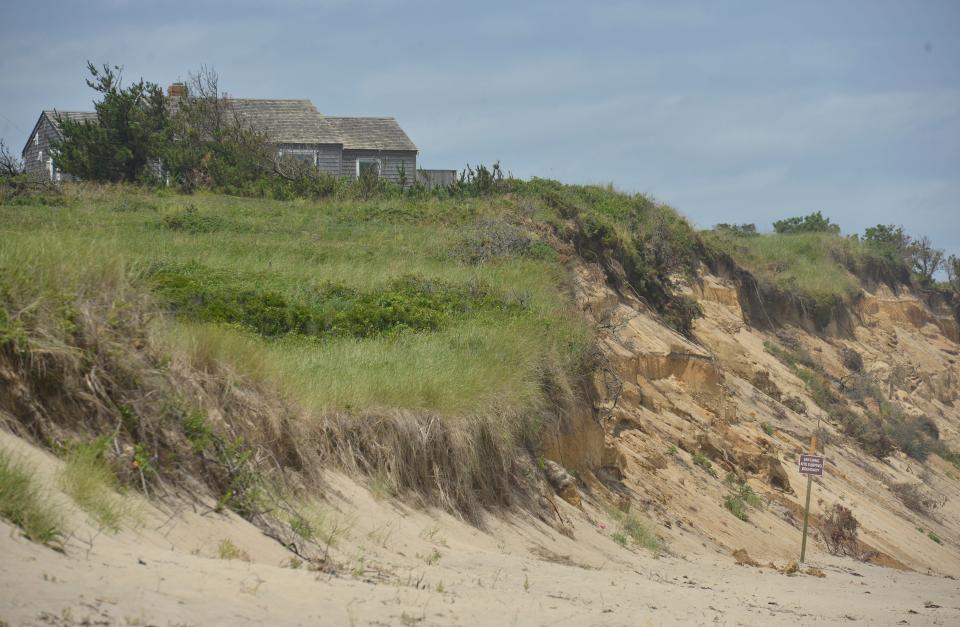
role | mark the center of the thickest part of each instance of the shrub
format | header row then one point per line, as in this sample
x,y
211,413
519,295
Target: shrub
x,y
633,529
851,359
911,437
493,239
813,223
704,462
740,498
741,230
840,532
410,303
189,220
23,502
914,497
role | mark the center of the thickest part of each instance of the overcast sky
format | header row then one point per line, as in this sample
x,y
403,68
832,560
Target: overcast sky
x,y
729,111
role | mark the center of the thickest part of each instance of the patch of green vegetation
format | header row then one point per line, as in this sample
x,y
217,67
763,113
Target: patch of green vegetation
x,y
704,462
934,537
620,538
23,503
792,357
951,456
453,338
650,241
767,428
409,303
736,506
801,264
190,220
740,498
90,480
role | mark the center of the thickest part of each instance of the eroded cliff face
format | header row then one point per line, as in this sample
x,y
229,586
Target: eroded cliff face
x,y
680,425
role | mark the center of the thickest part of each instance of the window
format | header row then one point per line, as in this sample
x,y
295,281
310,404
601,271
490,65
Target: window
x,y
368,167
40,156
308,157
36,139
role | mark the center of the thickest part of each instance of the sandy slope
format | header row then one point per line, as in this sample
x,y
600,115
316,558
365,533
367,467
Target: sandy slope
x,y
405,566
660,400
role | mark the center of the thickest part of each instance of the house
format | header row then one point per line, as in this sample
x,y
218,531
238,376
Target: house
x,y
342,146
37,159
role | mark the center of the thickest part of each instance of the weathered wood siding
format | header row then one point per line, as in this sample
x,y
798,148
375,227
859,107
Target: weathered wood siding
x,y
390,160
436,178
36,154
327,155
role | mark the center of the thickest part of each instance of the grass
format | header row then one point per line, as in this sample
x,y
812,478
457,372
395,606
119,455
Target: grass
x,y
632,529
227,550
315,524
93,485
934,537
804,263
399,321
440,328
23,502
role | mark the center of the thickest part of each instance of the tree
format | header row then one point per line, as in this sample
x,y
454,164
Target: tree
x,y
128,136
953,273
888,235
10,166
813,223
209,143
926,260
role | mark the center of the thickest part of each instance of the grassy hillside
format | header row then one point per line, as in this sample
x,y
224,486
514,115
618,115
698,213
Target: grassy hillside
x,y
820,271
425,339
344,305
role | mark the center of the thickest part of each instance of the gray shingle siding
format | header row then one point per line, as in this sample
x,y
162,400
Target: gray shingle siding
x,y
36,154
327,156
390,160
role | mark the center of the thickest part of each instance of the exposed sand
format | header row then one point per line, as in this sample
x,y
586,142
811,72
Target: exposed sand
x,y
406,566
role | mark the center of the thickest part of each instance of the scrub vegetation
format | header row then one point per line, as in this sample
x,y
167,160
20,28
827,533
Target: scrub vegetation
x,y
221,331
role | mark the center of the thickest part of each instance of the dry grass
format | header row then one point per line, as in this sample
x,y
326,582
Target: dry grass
x,y
24,503
93,485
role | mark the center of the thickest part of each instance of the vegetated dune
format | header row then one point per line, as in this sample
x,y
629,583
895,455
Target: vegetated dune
x,y
481,409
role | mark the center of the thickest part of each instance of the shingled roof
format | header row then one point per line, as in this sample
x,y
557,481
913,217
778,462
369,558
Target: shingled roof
x,y
370,133
77,116
286,121
298,122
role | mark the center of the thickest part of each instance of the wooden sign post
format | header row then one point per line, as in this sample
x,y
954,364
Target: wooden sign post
x,y
810,465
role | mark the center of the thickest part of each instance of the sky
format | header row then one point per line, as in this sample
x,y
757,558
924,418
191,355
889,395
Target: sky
x,y
728,111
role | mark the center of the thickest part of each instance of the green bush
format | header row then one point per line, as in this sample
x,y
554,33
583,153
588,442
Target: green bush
x,y
410,303
740,498
813,223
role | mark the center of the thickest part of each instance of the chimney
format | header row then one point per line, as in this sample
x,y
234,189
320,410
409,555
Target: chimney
x,y
177,90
